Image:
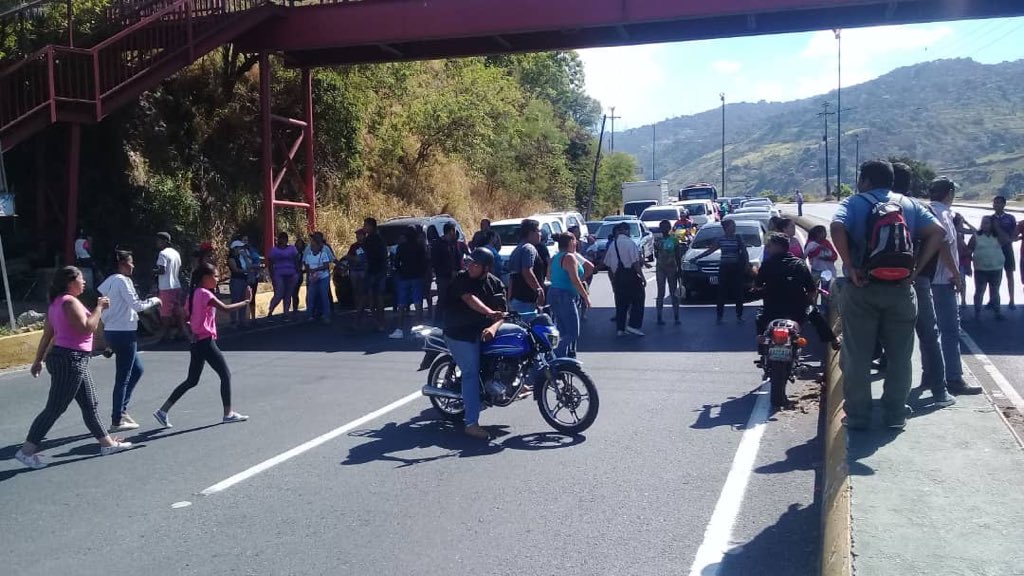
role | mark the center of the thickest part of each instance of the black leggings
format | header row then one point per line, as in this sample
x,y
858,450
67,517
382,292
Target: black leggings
x,y
201,353
69,380
731,280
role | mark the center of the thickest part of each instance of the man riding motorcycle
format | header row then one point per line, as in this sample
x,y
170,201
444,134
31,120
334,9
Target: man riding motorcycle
x,y
475,309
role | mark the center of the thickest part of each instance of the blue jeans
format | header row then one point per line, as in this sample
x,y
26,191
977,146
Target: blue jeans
x,y
947,316
318,298
567,318
522,307
467,358
238,286
932,369
128,371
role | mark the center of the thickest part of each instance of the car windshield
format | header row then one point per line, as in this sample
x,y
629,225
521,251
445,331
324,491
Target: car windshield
x,y
637,208
705,235
700,209
392,233
659,214
509,233
606,229
701,193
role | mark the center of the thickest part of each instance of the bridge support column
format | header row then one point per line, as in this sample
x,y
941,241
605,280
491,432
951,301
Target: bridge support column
x,y
71,217
305,183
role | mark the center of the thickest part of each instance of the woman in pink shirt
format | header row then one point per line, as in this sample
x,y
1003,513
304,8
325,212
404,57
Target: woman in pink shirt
x,y
202,308
69,328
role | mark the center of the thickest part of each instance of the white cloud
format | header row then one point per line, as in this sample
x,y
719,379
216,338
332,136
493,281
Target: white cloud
x,y
863,43
625,78
726,66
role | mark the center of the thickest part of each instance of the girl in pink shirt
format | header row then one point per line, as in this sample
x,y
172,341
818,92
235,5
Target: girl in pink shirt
x,y
69,328
202,310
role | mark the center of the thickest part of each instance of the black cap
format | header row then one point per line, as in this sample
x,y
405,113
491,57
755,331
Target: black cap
x,y
165,236
482,256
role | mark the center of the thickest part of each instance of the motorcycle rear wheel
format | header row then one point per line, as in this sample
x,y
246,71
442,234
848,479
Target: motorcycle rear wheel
x,y
778,374
445,374
561,392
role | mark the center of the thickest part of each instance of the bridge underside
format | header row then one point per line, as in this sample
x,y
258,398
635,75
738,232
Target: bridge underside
x,y
401,30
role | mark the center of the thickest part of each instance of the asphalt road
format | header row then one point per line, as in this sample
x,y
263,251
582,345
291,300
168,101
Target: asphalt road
x,y
404,493
999,341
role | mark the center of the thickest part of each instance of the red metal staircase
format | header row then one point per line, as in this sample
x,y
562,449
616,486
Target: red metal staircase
x,y
81,85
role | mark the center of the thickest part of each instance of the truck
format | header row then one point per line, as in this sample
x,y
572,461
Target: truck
x,y
638,196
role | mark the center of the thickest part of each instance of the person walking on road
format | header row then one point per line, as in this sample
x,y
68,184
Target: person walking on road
x,y
203,306
474,309
625,267
668,253
120,330
526,271
1008,224
989,260
446,260
411,262
317,263
732,268
799,203
69,328
167,270
873,232
568,269
282,259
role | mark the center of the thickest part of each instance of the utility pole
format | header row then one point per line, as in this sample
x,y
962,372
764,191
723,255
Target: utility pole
x,y
824,115
654,150
858,158
839,113
722,96
597,164
612,118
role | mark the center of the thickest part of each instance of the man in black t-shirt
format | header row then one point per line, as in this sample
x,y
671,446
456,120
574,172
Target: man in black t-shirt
x,y
446,259
475,306
411,264
376,270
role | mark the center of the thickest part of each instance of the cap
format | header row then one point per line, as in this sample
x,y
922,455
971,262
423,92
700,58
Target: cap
x,y
164,235
482,256
237,244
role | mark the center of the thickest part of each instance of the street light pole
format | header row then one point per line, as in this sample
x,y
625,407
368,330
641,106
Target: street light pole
x,y
612,139
654,150
825,114
722,96
858,157
839,114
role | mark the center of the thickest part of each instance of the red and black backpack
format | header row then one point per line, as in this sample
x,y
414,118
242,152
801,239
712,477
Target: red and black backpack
x,y
889,249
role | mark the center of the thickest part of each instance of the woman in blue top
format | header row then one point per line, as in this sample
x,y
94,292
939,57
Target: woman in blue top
x,y
566,275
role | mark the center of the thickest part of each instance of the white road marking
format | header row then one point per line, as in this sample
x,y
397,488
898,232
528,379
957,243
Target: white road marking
x,y
718,533
182,504
1004,385
307,446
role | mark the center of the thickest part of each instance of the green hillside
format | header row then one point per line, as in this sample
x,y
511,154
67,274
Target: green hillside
x,y
963,118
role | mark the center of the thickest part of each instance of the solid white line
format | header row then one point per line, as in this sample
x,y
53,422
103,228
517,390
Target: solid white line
x,y
1004,385
719,531
307,446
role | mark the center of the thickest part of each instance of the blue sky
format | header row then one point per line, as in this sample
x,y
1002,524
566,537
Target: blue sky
x,y
656,81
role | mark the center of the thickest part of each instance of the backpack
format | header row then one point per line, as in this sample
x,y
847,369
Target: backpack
x,y
889,250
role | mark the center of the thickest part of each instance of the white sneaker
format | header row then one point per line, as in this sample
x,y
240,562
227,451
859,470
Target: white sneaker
x,y
397,334
235,417
634,331
115,448
34,461
162,418
620,333
122,427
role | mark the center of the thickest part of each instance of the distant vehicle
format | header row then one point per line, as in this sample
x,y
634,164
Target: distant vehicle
x,y
638,196
639,233
733,201
619,217
655,214
593,225
771,210
393,228
756,202
702,276
570,219
761,217
701,211
508,231
700,191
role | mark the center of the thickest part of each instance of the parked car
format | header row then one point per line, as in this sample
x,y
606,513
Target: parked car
x,y
508,230
655,214
771,210
761,217
570,219
639,233
701,211
734,201
619,217
756,202
702,276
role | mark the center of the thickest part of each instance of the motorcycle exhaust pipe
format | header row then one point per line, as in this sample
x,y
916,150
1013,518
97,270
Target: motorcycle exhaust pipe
x,y
440,393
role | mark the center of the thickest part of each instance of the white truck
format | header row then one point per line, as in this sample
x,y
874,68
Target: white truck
x,y
638,196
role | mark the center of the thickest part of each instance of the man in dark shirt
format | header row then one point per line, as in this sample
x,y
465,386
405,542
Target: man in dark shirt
x,y
526,270
475,303
376,270
446,259
1009,225
410,266
788,289
732,268
482,237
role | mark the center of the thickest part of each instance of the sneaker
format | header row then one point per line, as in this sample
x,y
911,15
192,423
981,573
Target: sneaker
x,y
943,400
899,423
634,331
235,417
959,387
124,426
477,432
115,448
397,334
162,418
127,418
620,333
33,461
855,423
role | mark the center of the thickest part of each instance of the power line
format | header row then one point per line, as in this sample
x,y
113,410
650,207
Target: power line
x,y
996,40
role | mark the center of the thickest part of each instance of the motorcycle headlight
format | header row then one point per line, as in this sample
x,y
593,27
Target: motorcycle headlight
x,y
689,266
553,338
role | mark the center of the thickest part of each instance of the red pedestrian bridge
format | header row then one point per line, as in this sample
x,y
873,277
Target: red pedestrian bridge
x,y
135,44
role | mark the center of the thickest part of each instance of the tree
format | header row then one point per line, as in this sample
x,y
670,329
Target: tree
x,y
921,175
616,168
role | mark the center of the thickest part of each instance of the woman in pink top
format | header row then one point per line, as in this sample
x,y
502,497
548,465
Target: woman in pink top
x,y
202,309
69,328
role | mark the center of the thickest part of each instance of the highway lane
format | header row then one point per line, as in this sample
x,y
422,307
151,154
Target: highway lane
x,y
407,494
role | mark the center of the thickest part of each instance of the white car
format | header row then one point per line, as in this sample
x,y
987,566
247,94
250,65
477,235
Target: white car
x,y
756,202
701,211
570,219
508,230
653,216
772,210
762,218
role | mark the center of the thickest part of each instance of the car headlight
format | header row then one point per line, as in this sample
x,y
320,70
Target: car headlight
x,y
689,266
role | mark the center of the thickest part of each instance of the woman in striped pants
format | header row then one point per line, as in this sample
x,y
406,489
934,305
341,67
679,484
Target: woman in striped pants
x,y
69,328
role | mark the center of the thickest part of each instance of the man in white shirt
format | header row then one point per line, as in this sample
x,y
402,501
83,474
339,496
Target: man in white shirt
x,y
168,267
625,266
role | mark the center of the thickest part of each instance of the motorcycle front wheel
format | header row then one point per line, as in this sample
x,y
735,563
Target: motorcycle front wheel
x,y
568,400
445,374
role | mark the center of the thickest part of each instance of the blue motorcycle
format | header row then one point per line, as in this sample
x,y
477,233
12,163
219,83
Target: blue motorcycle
x,y
518,363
